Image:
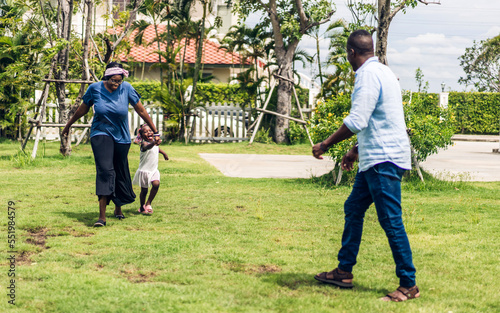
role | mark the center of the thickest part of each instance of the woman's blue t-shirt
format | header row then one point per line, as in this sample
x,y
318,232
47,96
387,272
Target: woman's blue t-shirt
x,y
111,110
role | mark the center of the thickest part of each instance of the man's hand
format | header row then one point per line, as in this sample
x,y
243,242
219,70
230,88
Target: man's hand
x,y
317,151
349,159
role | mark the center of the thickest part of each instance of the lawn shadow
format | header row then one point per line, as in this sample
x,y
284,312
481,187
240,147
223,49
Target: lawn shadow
x,y
294,281
86,218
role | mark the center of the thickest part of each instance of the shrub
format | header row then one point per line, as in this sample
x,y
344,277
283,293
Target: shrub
x,y
296,133
430,126
207,92
263,136
147,89
327,118
476,112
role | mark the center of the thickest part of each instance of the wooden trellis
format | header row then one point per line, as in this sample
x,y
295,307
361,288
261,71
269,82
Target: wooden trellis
x,y
264,111
38,122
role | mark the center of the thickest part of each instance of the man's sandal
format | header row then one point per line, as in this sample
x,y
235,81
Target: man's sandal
x,y
402,294
336,277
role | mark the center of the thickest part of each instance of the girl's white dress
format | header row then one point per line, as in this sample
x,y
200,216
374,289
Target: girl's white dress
x,y
148,168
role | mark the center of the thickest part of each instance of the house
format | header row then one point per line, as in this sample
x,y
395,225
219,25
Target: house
x,y
219,8
217,62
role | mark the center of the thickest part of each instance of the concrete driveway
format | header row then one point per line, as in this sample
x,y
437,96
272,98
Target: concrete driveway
x,y
469,160
268,166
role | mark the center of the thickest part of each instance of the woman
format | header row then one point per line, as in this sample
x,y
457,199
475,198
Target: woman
x,y
110,137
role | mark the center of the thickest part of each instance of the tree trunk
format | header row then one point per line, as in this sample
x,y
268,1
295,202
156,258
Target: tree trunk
x,y
384,20
66,9
199,56
283,106
199,52
159,49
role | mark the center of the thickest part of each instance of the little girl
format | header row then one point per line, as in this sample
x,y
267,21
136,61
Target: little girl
x,y
147,174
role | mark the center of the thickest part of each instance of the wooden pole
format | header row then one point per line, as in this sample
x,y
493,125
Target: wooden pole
x,y
69,81
62,125
261,115
302,116
281,115
39,128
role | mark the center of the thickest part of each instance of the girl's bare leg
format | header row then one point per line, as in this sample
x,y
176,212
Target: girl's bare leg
x,y
142,197
155,185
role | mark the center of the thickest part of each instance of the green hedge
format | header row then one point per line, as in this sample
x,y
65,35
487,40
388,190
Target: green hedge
x,y
473,112
147,89
476,112
206,92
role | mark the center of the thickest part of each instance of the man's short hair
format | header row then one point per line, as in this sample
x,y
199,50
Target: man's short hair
x,y
360,41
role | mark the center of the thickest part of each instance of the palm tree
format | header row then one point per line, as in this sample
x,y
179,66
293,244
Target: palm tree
x,y
251,43
317,37
158,11
342,79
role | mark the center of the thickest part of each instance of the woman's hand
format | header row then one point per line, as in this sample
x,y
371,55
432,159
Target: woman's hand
x,y
157,140
81,111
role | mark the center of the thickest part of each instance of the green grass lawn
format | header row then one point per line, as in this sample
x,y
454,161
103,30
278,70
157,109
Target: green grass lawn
x,y
220,244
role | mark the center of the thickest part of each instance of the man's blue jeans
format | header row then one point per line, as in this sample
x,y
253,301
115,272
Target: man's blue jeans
x,y
380,184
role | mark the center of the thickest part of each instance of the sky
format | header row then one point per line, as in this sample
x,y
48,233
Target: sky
x,y
430,37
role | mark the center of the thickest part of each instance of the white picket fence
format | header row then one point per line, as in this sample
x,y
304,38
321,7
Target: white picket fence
x,y
52,116
219,122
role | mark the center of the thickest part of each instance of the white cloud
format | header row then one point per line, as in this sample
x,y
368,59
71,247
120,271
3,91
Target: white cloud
x,y
492,32
434,53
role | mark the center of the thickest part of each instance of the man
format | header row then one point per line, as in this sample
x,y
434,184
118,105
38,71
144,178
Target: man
x,y
384,154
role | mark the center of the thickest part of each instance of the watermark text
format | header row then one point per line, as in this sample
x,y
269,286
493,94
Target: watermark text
x,y
11,243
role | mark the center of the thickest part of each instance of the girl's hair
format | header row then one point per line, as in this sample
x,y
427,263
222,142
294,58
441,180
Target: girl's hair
x,y
140,133
111,65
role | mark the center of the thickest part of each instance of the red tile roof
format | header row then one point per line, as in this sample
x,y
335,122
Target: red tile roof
x,y
212,53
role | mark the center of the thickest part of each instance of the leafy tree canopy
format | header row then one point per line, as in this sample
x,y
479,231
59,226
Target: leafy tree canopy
x,y
481,64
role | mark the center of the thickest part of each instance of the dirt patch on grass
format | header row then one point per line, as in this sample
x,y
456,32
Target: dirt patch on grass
x,y
24,258
37,237
138,277
240,208
99,267
252,269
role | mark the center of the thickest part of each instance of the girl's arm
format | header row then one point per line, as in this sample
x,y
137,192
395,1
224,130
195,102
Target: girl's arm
x,y
81,111
165,156
139,108
146,145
